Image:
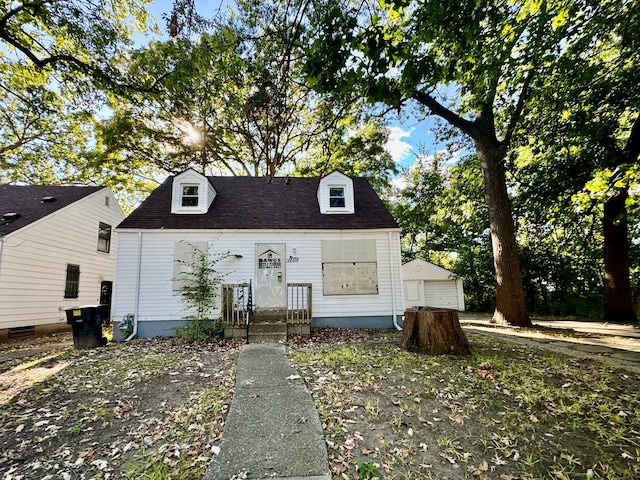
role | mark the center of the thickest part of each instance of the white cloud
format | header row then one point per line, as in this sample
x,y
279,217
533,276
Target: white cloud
x,y
399,183
398,148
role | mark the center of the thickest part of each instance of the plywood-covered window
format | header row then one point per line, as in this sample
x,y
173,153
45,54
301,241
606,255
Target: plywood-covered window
x,y
349,267
183,261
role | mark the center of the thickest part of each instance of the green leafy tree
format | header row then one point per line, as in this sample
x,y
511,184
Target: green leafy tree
x,y
354,148
473,64
586,123
57,60
200,282
443,217
71,40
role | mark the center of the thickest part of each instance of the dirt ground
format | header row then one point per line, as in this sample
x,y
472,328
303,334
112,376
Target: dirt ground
x,y
155,409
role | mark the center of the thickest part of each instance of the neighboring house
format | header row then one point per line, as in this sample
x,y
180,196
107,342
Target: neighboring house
x,y
317,251
426,284
57,251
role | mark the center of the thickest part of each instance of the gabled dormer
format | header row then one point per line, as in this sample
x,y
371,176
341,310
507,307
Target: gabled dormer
x,y
335,194
192,193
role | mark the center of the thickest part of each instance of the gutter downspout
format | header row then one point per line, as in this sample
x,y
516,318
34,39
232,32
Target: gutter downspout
x,y
393,286
137,295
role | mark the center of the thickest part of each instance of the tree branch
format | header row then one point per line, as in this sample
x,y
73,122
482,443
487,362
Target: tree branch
x,y
513,122
632,148
436,108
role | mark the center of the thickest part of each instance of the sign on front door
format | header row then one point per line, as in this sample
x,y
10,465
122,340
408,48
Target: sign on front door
x,y
271,282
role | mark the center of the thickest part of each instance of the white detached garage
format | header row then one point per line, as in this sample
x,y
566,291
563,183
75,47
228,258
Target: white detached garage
x,y
426,284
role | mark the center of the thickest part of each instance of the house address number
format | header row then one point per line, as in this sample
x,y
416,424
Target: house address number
x,y
292,259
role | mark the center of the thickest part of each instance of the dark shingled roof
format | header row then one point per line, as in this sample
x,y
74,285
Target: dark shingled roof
x,y
253,203
26,200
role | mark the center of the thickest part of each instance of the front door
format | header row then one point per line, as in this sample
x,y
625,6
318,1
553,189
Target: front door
x,y
271,283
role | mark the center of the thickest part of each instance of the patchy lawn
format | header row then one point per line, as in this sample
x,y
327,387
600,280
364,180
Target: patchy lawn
x,y
149,409
508,411
154,409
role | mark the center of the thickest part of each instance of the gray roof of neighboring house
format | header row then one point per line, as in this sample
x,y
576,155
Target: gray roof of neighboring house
x,y
253,203
27,201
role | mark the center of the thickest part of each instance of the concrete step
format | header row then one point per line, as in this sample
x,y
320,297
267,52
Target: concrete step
x,y
266,338
269,316
268,327
273,332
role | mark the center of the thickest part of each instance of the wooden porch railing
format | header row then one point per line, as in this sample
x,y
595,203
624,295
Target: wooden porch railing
x,y
236,304
299,303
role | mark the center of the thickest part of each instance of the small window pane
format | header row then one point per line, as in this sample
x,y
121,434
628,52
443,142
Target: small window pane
x,y
336,197
72,281
104,237
190,195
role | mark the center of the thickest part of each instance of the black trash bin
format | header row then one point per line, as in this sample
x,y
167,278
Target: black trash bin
x,y
86,323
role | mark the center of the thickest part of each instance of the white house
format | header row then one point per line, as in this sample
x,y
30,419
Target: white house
x,y
57,251
426,284
321,251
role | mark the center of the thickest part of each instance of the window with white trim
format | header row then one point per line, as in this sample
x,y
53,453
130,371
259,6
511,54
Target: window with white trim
x,y
189,196
104,237
336,197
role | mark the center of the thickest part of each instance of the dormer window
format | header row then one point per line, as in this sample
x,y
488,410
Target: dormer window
x,y
335,194
336,197
189,195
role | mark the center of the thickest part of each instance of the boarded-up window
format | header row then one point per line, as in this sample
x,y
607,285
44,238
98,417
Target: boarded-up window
x,y
349,267
183,260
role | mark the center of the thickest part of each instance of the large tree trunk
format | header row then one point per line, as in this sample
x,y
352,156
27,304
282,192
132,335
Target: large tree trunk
x,y
510,304
618,299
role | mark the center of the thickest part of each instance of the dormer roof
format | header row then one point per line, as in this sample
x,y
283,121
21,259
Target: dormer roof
x,y
192,193
335,194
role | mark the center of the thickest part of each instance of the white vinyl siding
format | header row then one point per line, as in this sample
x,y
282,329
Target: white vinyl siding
x,y
34,259
159,302
441,294
426,284
183,258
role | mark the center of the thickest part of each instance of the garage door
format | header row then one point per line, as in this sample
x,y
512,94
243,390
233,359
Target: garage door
x,y
441,293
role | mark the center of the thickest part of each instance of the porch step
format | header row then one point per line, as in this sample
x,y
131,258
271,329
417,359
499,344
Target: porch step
x,y
267,332
269,316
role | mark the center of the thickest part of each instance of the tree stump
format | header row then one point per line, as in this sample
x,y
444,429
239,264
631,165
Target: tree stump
x,y
434,331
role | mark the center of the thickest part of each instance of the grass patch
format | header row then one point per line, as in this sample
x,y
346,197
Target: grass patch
x,y
507,411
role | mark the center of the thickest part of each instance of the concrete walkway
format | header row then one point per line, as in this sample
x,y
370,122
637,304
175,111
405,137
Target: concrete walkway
x,y
617,343
272,429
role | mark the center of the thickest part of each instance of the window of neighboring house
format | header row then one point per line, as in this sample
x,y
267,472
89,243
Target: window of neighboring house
x,y
72,282
189,195
336,197
349,267
104,237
